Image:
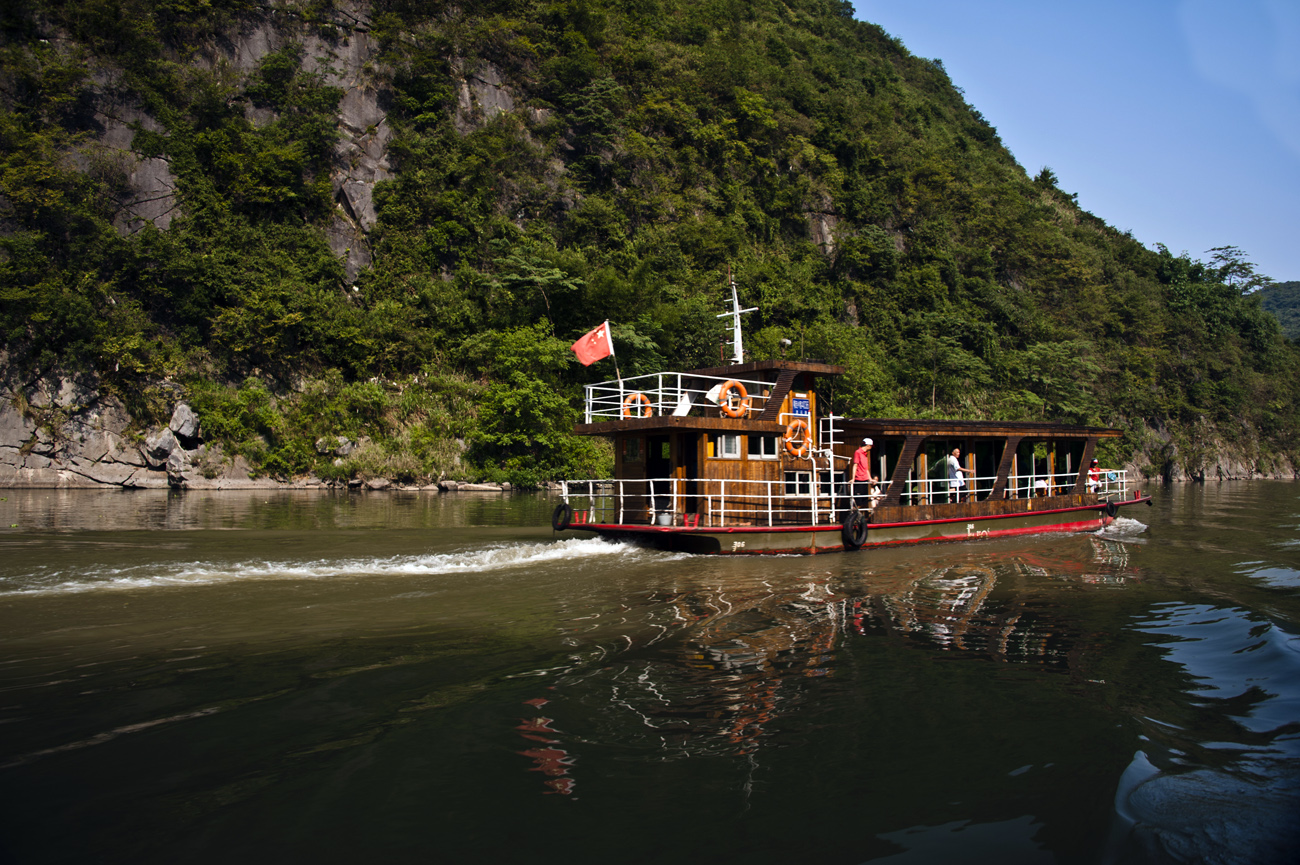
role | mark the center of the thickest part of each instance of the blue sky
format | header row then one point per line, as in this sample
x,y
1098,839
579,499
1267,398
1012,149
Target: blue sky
x,y
1178,120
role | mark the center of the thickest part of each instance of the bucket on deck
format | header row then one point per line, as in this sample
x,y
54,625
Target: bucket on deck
x,y
664,518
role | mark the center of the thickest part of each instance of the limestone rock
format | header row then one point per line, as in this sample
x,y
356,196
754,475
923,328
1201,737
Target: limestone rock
x,y
15,427
158,447
378,483
184,422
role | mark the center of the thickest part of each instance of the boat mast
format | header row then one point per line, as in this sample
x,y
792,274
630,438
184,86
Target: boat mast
x,y
737,339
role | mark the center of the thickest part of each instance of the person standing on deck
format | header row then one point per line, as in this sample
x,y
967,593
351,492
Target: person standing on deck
x,y
862,479
956,479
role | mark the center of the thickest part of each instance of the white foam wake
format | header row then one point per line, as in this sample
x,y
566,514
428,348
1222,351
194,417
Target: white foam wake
x,y
1123,527
484,559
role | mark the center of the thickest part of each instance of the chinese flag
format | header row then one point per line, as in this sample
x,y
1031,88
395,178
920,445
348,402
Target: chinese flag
x,y
592,346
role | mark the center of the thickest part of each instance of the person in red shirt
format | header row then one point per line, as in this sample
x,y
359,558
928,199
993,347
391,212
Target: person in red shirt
x,y
1094,477
862,479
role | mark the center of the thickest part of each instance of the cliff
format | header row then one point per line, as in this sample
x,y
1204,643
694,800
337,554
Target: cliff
x,y
384,223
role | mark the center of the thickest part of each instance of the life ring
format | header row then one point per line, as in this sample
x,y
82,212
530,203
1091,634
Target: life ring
x,y
1111,509
740,407
635,399
854,530
561,516
798,442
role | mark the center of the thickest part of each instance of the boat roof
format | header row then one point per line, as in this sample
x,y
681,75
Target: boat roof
x,y
968,428
816,367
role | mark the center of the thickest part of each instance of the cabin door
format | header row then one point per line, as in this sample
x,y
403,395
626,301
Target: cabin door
x,y
688,459
659,469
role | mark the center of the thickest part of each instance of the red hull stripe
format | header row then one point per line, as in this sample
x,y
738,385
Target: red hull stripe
x,y
835,527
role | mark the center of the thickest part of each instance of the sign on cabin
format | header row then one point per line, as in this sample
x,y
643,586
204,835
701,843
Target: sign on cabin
x,y
799,406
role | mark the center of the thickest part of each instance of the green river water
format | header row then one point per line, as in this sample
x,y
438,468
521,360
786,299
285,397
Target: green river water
x,y
314,677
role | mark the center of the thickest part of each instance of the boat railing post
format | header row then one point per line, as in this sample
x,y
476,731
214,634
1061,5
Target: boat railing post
x,y
769,502
620,495
722,504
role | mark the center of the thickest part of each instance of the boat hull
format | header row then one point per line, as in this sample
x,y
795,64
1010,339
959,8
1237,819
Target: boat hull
x,y
827,538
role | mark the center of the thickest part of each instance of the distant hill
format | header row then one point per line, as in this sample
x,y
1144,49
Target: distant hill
x,y
387,220
1283,300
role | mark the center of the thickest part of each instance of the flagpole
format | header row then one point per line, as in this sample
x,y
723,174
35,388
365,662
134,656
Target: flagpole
x,y
609,334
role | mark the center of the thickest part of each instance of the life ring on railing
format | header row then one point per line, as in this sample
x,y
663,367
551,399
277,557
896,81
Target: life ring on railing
x,y
634,399
561,516
854,530
733,406
798,443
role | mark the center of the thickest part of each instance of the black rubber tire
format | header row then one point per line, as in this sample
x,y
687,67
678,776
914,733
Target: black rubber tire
x,y
854,530
1111,509
561,516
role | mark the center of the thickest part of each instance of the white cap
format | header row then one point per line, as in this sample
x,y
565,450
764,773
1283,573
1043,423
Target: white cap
x,y
867,442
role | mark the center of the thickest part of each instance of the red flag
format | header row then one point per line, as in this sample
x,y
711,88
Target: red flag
x,y
592,346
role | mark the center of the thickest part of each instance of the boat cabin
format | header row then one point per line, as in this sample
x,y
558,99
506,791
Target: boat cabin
x,y
750,444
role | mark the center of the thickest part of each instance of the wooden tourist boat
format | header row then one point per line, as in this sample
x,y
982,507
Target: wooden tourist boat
x,y
740,459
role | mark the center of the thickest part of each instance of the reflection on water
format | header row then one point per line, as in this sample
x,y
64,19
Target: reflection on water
x,y
460,686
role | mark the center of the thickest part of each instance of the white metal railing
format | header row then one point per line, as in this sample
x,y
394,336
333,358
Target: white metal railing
x,y
666,393
1019,486
810,498
714,503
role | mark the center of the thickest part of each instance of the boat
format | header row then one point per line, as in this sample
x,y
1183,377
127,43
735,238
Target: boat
x,y
742,459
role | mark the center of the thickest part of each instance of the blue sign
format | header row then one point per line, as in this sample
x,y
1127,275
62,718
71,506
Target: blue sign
x,y
799,406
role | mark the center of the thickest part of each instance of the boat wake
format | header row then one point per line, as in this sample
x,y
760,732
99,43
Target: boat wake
x,y
499,557
1123,529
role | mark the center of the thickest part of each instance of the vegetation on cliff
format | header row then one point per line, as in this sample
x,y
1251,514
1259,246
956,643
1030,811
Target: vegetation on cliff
x,y
1283,300
872,215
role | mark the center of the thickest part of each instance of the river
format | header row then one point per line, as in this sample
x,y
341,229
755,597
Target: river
x,y
316,677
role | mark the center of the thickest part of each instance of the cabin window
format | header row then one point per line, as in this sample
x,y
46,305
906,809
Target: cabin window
x,y
798,483
632,450
726,447
763,447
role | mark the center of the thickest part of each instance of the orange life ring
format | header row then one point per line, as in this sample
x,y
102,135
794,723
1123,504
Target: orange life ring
x,y
797,431
741,404
634,399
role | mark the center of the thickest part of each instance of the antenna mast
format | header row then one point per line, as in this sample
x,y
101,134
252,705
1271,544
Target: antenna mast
x,y
737,339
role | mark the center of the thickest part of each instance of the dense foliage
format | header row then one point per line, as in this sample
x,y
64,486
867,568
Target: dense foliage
x,y
1283,300
871,214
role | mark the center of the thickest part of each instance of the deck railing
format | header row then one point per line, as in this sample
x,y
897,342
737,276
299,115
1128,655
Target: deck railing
x,y
1019,486
668,393
804,500
713,503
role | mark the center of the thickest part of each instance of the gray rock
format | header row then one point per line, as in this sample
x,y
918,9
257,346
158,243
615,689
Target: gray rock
x,y
479,488
106,473
147,480
178,463
449,486
184,422
15,427
45,443
37,461
158,447
238,470
378,483
345,447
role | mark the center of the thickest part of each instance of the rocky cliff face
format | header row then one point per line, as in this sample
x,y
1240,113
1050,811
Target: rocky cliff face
x,y
360,157
63,432
346,61
66,433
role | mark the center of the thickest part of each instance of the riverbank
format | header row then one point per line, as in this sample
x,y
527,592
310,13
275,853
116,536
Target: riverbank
x,y
61,434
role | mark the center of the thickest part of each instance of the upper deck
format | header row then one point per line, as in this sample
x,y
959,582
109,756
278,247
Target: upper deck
x,y
737,396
